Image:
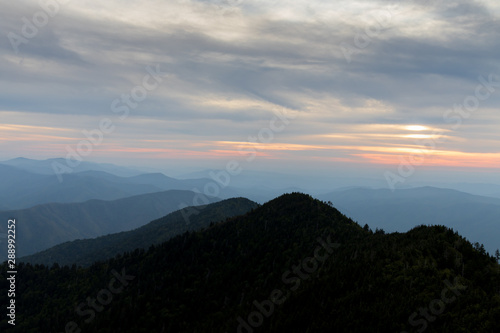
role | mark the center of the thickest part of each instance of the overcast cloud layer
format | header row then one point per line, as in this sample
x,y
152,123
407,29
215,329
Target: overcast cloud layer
x,y
357,77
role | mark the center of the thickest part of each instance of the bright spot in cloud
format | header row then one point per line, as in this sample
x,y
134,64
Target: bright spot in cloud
x,y
416,128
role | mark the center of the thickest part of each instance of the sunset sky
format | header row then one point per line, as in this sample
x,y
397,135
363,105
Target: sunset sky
x,y
320,86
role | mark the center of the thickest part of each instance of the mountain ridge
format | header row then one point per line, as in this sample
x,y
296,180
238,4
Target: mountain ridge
x,y
474,216
43,226
270,270
86,252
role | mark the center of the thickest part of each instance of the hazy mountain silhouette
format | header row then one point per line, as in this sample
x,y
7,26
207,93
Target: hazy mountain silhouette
x,y
475,217
44,226
45,167
87,251
22,189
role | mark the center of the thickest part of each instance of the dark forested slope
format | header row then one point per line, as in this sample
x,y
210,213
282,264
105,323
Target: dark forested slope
x,y
294,264
44,226
84,252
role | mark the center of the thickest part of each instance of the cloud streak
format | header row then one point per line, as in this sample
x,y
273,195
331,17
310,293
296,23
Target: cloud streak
x,y
230,64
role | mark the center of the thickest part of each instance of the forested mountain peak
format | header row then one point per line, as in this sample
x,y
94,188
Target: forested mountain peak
x,y
294,264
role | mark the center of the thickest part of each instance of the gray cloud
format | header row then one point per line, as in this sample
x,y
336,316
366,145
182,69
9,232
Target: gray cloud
x,y
427,58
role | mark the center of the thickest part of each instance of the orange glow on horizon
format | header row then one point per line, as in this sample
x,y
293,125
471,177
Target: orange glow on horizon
x,y
438,158
377,147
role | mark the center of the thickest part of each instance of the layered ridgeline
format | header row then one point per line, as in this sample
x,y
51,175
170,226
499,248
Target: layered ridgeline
x,y
43,226
87,251
294,264
473,216
22,189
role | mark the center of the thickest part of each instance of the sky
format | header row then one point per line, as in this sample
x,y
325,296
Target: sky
x,y
393,90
